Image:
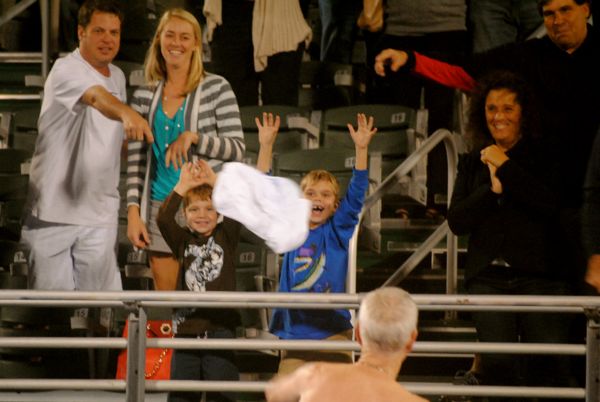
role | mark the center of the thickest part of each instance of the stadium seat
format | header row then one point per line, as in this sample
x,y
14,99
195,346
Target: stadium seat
x,y
296,164
392,122
289,139
325,85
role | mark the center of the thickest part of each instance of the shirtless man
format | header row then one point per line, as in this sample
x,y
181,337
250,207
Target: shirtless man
x,y
386,331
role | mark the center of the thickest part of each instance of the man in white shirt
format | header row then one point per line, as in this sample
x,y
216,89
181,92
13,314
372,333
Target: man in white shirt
x,y
386,331
72,210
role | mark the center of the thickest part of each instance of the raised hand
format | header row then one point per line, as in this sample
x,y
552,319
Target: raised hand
x,y
364,132
190,177
177,152
362,137
204,173
268,129
267,133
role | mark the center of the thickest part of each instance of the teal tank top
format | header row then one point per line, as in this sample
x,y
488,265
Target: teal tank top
x,y
166,130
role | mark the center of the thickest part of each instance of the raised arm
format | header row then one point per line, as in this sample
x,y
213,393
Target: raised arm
x,y
193,175
135,126
362,137
267,133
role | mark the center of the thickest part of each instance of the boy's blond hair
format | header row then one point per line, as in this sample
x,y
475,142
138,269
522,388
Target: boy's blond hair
x,y
315,176
202,192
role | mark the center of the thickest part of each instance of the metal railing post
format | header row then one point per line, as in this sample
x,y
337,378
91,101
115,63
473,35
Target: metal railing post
x,y
451,239
592,360
45,15
136,356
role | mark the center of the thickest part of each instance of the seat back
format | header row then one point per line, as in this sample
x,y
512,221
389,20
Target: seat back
x,y
325,85
295,165
392,122
288,139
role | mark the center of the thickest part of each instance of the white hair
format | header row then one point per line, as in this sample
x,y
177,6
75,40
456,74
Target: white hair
x,y
387,317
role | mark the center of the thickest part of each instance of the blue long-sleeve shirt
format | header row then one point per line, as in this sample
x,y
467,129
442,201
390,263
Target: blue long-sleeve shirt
x,y
320,266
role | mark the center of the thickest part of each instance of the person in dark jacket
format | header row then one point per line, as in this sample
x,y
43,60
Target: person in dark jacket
x,y
504,199
562,68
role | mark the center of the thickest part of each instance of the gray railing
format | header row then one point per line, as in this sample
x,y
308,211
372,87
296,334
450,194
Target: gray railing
x,y
404,169
135,386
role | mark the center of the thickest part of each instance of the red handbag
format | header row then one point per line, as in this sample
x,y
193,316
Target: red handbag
x,y
158,361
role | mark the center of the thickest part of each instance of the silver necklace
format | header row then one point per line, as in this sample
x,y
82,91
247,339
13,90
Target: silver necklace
x,y
373,366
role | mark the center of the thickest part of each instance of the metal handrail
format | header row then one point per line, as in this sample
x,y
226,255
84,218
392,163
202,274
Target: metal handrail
x,y
439,136
136,301
422,347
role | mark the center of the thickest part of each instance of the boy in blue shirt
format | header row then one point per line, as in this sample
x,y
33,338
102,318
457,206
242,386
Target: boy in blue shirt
x,y
320,264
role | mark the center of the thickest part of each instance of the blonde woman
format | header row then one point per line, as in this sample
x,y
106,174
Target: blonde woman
x,y
193,114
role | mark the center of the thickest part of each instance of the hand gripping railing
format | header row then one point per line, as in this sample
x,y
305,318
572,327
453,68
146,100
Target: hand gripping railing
x,y
441,135
135,386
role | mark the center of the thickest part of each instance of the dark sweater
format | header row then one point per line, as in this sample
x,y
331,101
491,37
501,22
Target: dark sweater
x,y
567,85
515,225
206,264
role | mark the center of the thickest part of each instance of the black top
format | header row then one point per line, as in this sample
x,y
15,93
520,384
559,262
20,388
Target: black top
x,y
515,225
206,264
568,88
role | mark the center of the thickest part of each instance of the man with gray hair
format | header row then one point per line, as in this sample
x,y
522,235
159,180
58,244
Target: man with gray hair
x,y
386,331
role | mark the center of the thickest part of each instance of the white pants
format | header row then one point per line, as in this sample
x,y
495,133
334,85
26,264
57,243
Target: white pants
x,y
71,257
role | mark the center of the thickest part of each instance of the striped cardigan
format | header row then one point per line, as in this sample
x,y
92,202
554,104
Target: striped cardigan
x,y
211,111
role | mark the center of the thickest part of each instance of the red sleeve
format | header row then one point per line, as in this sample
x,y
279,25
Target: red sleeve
x,y
443,73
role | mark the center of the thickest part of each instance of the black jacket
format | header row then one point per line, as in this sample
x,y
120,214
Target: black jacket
x,y
515,225
568,87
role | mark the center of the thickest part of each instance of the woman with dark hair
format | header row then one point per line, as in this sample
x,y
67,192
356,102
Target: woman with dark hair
x,y
504,200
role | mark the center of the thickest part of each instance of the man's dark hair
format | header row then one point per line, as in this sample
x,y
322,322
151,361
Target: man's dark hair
x,y
90,6
542,3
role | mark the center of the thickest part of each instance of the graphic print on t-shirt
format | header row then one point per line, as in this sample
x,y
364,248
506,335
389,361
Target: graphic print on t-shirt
x,y
206,267
308,270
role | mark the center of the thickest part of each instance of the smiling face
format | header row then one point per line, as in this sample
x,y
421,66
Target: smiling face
x,y
322,195
566,23
503,117
99,41
200,215
177,42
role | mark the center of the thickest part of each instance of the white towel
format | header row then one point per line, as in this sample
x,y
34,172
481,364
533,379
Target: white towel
x,y
273,208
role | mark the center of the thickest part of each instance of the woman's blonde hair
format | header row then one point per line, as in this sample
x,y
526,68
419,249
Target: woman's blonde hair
x,y
155,67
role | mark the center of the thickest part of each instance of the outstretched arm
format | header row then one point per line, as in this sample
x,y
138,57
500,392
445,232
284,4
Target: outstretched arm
x,y
267,133
392,57
135,126
362,137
